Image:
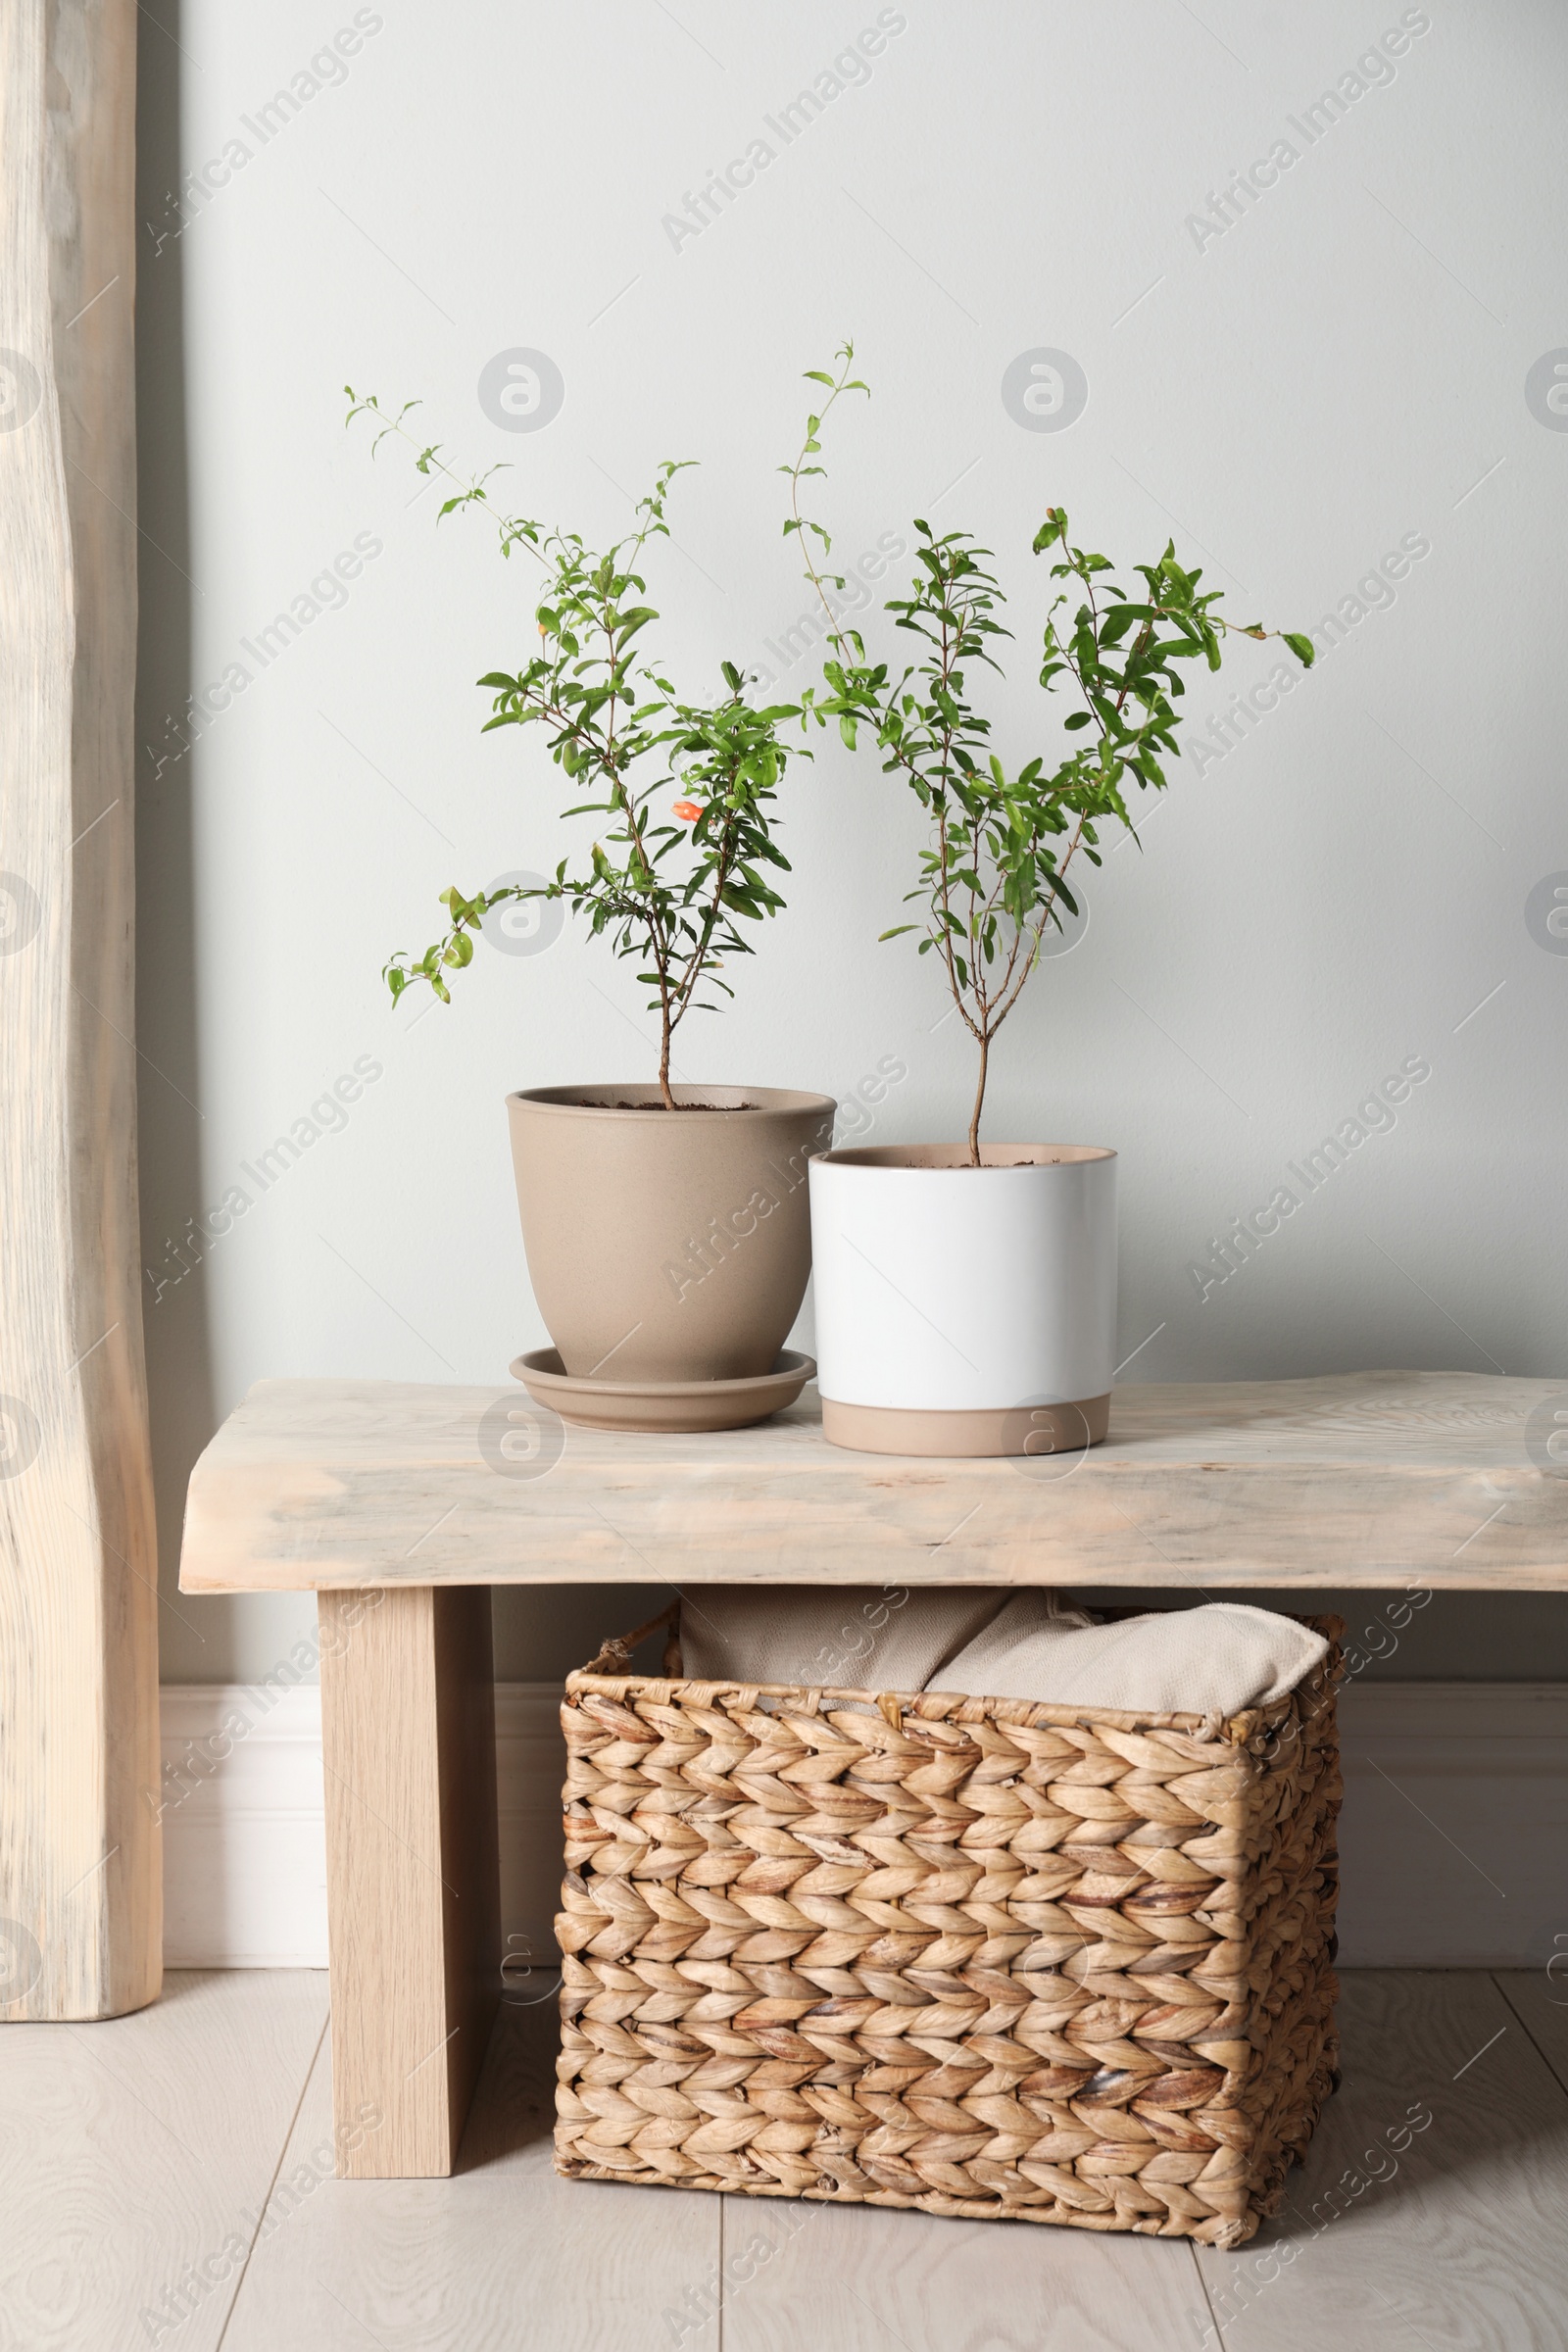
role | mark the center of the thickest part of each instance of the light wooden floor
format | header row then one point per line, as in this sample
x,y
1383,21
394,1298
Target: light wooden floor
x,y
165,2179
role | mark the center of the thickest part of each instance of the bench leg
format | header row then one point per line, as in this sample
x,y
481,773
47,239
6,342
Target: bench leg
x,y
413,1882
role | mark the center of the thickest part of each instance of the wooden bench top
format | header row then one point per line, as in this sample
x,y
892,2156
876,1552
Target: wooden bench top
x,y
1374,1479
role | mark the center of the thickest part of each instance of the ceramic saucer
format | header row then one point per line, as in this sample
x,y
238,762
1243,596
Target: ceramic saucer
x,y
672,1406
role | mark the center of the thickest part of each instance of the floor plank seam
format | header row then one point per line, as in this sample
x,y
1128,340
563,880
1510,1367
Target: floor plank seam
x,y
1211,2325
1515,2011
261,2211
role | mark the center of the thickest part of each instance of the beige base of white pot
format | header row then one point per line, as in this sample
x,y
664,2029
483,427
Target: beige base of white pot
x,y
1038,1431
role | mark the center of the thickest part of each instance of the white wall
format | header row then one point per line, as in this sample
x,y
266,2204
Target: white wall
x,y
1344,367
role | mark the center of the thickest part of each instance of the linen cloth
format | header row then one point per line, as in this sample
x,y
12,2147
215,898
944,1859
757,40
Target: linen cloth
x,y
863,1637
1217,1659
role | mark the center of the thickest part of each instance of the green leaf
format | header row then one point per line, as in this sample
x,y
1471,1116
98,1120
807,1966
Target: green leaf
x,y
1301,647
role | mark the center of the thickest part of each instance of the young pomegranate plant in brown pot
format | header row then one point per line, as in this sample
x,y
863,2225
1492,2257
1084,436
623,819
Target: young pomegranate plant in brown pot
x,y
967,1293
666,1225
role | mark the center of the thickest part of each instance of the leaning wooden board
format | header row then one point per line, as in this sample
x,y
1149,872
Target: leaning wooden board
x,y
81,1886
1377,1479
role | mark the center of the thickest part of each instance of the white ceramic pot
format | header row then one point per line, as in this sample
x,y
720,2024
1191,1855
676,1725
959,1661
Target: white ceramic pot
x,y
965,1311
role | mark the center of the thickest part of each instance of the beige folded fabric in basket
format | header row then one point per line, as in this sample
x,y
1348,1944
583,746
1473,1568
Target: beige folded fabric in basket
x,y
876,1636
1217,1659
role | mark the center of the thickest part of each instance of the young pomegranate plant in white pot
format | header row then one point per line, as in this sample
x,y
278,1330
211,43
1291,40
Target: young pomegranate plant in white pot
x,y
966,1291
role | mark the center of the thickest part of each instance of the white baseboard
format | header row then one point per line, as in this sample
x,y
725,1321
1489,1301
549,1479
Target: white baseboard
x,y
1455,1834
1454,1840
244,1831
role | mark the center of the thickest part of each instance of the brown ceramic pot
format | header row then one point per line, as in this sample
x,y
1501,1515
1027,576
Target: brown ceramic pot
x,y
667,1244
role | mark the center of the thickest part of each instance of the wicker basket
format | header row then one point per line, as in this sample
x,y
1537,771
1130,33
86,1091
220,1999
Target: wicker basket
x,y
983,1957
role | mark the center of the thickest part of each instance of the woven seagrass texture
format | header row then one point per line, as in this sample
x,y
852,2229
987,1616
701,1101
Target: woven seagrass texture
x,y
981,1957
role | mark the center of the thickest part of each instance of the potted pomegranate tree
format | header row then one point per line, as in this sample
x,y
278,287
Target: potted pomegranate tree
x,y
666,1225
966,1291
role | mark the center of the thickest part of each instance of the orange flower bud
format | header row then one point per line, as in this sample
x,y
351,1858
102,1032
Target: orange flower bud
x,y
688,812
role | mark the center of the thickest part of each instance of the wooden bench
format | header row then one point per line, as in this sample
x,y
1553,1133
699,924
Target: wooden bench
x,y
399,1505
